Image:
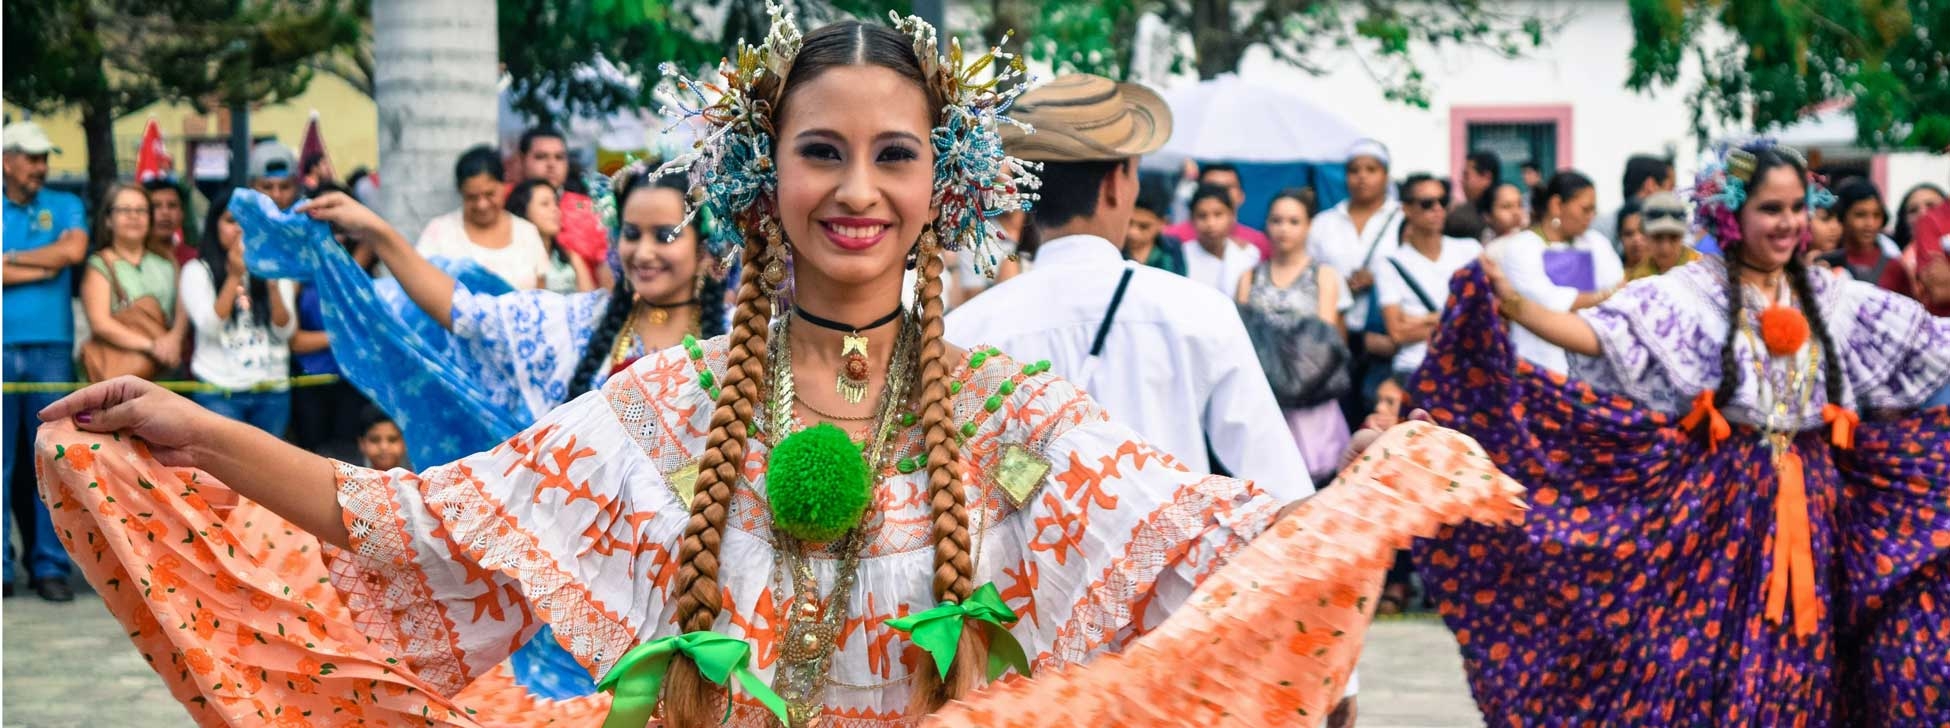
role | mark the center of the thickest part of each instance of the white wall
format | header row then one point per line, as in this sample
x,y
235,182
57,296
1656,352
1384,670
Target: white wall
x,y
1908,169
1584,64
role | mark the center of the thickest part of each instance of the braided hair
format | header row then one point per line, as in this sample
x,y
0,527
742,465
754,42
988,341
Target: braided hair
x,y
688,699
1766,159
622,298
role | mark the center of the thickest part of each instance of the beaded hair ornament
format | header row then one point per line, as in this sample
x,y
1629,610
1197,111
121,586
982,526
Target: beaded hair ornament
x,y
1721,186
1720,190
733,176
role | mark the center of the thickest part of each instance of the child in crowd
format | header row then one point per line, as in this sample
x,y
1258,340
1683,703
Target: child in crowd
x,y
380,441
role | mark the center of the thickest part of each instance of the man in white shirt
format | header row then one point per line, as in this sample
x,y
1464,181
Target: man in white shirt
x,y
1162,353
1355,236
1212,256
1413,285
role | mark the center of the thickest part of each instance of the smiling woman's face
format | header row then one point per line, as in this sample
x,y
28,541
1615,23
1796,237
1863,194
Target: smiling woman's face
x,y
856,171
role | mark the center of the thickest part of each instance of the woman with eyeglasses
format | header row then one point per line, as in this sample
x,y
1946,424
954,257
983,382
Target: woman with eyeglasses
x,y
129,270
1560,262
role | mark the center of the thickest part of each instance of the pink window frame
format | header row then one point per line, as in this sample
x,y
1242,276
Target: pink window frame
x,y
1460,117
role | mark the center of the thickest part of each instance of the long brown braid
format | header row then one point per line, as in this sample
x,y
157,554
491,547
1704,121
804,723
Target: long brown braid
x,y
954,565
689,699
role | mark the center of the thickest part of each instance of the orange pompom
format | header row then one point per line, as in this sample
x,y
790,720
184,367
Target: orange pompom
x,y
1784,329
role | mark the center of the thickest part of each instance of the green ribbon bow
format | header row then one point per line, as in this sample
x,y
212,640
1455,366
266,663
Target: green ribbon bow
x,y
938,631
637,679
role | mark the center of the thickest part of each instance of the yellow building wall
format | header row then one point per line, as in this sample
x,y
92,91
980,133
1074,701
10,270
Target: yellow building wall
x,y
347,119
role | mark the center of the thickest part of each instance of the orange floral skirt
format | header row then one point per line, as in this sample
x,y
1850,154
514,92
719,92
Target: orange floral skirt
x,y
235,608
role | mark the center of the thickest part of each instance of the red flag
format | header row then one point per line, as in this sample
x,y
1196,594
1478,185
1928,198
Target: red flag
x,y
152,160
314,165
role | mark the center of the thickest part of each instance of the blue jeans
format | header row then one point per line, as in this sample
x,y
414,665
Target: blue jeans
x,y
267,411
30,363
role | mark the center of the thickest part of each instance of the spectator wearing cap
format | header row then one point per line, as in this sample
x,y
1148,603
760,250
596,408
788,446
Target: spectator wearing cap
x,y
1355,237
1225,176
1662,220
544,154
1644,175
1145,239
46,234
274,172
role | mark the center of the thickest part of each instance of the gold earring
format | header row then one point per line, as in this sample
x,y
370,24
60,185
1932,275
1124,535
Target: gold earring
x,y
772,279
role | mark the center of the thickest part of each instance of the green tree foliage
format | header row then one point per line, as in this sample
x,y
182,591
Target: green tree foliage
x,y
1765,64
1211,36
108,58
552,49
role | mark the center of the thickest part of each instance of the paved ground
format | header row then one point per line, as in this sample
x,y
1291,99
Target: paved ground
x,y
68,665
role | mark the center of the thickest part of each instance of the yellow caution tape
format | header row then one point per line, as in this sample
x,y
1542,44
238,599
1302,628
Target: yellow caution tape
x,y
275,385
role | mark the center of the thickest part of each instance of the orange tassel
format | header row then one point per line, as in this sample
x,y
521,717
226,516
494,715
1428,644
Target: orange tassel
x,y
1842,422
1703,410
1793,573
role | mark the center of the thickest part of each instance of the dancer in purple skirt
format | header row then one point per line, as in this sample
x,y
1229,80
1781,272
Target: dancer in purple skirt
x,y
1741,491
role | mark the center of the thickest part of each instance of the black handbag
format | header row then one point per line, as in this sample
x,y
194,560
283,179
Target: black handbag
x,y
1306,361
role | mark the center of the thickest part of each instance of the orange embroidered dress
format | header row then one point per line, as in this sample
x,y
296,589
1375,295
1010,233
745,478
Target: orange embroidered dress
x,y
575,523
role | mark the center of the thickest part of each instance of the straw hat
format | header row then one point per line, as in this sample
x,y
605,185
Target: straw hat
x,y
1084,118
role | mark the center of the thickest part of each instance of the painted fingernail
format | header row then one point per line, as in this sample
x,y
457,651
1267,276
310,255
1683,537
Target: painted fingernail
x,y
85,417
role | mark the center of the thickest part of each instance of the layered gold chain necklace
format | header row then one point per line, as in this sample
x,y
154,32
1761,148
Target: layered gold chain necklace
x,y
813,625
657,314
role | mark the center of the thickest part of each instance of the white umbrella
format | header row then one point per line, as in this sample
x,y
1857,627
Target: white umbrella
x,y
1234,120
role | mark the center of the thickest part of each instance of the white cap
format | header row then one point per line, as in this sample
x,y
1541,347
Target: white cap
x,y
27,137
1369,148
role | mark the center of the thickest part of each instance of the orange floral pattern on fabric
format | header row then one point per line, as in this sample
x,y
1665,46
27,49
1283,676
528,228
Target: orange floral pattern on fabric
x,y
1271,638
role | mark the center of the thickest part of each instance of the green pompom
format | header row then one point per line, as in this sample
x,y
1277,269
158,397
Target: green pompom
x,y
817,484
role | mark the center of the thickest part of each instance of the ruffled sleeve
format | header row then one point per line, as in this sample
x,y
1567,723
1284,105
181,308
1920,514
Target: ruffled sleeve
x,y
531,338
1655,346
567,524
1896,355
1113,538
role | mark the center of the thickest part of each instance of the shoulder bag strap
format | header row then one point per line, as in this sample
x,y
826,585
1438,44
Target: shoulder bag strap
x,y
1375,244
1415,287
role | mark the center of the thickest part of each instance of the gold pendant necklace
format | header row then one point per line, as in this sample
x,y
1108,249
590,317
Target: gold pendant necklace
x,y
851,383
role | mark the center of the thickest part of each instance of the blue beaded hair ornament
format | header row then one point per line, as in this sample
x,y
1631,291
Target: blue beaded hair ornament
x,y
604,194
733,177
1721,187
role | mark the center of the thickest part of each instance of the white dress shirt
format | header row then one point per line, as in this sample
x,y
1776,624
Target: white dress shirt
x,y
1220,273
1521,255
522,262
1334,242
1432,275
1176,363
